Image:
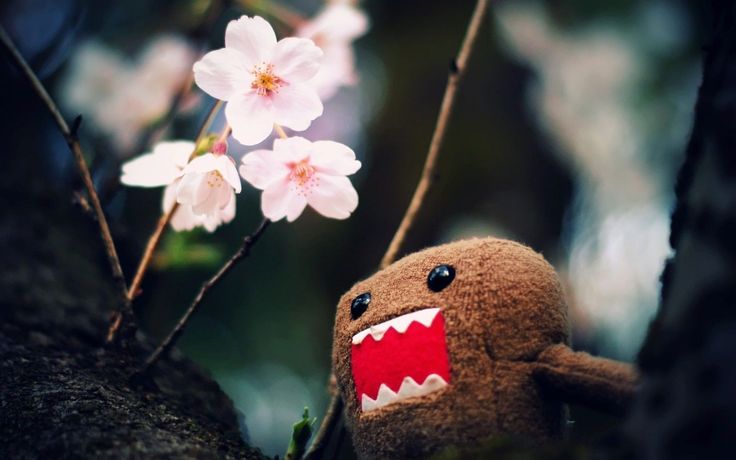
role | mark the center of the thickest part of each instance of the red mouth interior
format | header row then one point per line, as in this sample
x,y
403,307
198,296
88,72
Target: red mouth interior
x,y
417,353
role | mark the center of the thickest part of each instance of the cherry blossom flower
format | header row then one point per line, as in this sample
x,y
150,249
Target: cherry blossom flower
x,y
165,166
334,29
184,217
263,81
121,97
297,173
207,183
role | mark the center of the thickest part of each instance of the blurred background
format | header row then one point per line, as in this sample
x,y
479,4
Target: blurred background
x,y
567,133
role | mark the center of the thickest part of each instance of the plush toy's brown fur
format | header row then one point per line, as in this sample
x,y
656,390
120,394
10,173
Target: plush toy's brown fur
x,y
507,333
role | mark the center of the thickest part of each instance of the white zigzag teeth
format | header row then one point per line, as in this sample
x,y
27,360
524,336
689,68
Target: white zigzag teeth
x,y
409,388
400,323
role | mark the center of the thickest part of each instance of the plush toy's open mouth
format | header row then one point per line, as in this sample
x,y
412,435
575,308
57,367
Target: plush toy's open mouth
x,y
400,358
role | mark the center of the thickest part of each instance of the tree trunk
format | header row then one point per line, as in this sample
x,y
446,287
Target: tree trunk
x,y
686,407
62,395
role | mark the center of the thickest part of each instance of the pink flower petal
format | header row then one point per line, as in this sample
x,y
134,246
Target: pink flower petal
x,y
291,150
279,200
224,195
295,106
260,169
296,60
334,158
221,216
253,37
250,117
296,207
222,73
169,197
210,202
335,197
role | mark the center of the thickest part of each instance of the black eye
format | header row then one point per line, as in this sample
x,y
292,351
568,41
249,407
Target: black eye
x,y
440,277
360,305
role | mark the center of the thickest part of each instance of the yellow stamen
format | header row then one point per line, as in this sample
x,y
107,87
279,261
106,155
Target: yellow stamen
x,y
265,81
301,172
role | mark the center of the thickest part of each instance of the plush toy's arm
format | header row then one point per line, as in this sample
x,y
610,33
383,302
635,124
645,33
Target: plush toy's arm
x,y
580,378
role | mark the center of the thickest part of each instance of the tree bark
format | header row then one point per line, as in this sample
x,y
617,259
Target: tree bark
x,y
686,407
62,395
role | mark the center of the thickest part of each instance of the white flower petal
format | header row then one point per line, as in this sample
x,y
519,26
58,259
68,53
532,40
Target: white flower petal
x,y
253,37
296,60
334,158
276,200
295,208
221,216
292,149
161,167
169,197
223,197
183,218
192,189
228,171
295,106
223,73
335,197
202,164
337,69
250,117
210,202
260,169
178,151
337,22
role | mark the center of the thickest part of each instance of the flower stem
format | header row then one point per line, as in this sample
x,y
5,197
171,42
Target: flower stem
x,y
72,140
242,252
225,133
280,131
155,237
457,70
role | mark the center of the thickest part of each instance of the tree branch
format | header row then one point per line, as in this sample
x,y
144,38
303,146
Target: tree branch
x,y
239,255
70,135
155,238
457,71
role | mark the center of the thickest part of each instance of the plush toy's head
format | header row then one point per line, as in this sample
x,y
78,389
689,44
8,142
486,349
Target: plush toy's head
x,y
438,349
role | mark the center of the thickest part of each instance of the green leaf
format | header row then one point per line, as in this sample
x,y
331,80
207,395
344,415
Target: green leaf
x,y
300,436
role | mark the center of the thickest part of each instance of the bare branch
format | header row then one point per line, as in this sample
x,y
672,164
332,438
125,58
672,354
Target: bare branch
x,y
70,135
457,71
158,232
239,255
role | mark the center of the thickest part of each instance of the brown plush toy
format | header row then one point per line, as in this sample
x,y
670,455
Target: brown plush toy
x,y
459,343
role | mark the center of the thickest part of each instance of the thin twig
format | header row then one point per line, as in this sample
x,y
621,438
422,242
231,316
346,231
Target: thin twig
x,y
457,70
448,101
158,232
70,135
239,255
